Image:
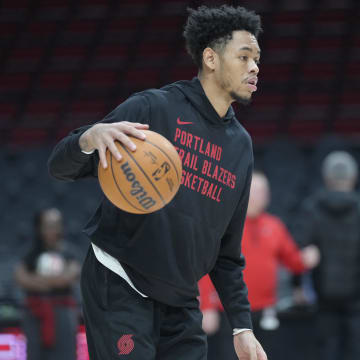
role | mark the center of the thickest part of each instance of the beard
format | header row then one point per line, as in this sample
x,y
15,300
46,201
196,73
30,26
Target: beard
x,y
240,99
226,84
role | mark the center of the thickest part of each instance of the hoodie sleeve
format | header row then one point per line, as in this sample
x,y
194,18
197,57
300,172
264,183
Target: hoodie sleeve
x,y
67,162
227,274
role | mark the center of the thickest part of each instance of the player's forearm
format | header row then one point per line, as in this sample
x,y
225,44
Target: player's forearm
x,y
68,162
228,281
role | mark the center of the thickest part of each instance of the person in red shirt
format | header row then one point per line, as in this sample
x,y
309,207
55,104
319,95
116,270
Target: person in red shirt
x,y
266,244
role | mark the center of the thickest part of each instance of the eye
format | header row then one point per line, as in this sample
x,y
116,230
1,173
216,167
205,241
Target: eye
x,y
257,61
244,58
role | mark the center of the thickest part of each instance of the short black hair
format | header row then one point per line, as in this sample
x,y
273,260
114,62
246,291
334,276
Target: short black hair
x,y
213,27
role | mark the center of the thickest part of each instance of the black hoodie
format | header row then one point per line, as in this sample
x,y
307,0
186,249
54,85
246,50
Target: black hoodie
x,y
331,220
165,253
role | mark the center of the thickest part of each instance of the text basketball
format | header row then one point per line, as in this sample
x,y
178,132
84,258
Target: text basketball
x,y
144,180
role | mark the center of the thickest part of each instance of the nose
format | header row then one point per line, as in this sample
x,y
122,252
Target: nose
x,y
254,69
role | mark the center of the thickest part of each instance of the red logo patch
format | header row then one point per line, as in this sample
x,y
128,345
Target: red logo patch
x,y
125,345
180,122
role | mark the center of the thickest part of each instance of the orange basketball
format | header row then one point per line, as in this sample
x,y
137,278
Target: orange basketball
x,y
145,180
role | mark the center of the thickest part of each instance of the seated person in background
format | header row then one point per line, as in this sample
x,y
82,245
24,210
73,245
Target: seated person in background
x,y
48,274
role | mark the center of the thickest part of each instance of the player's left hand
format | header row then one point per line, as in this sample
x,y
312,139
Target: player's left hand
x,y
247,347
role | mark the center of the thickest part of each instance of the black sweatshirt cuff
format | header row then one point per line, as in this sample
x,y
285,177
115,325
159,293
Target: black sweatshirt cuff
x,y
74,150
240,320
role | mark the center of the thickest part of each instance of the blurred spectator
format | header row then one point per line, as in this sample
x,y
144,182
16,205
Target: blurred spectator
x,y
48,274
266,244
331,220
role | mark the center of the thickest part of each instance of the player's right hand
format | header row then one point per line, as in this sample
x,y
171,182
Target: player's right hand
x,y
247,347
103,136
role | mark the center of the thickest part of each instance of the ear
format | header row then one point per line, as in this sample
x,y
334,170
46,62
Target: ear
x,y
210,57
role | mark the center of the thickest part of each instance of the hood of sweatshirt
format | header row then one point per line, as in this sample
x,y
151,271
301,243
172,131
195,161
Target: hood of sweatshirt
x,y
338,202
195,94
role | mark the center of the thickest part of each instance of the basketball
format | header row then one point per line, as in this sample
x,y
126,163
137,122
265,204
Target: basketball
x,y
144,180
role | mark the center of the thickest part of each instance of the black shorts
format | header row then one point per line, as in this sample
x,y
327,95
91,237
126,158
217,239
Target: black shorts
x,y
121,324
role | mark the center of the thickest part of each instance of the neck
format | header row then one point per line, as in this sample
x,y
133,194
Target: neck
x,y
253,215
217,97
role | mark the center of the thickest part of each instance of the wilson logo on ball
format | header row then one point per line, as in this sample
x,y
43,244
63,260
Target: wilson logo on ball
x,y
144,180
137,190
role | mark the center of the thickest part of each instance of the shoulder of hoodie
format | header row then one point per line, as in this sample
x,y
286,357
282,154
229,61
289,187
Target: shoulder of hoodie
x,y
161,97
246,136
168,94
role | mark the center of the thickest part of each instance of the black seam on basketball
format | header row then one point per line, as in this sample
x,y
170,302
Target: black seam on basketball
x,y
155,188
118,187
177,175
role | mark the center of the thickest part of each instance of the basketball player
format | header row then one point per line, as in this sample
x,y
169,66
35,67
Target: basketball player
x,y
139,280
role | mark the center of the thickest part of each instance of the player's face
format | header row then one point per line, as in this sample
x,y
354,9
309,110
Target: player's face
x,y
238,66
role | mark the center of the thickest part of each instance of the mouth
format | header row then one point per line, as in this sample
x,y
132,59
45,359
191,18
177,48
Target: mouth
x,y
251,82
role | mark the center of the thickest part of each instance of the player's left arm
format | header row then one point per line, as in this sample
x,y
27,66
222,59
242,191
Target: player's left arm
x,y
227,276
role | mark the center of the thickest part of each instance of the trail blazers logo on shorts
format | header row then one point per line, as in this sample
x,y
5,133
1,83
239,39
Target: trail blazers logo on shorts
x,y
125,345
